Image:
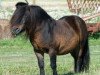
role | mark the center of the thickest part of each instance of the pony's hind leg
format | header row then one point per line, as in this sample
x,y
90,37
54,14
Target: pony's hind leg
x,y
77,60
81,57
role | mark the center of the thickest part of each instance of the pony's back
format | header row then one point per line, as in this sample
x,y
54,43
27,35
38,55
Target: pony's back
x,y
77,24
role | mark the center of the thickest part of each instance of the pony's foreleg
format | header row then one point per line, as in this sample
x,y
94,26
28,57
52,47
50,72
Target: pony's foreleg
x,y
53,57
40,57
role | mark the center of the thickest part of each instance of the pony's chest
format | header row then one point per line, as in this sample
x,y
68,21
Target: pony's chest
x,y
41,41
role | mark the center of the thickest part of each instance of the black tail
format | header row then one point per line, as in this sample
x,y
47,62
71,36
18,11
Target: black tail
x,y
86,57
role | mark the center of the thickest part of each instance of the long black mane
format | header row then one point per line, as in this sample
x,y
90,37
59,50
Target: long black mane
x,y
35,12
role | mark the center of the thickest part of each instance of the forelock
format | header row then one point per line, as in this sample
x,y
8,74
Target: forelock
x,y
21,4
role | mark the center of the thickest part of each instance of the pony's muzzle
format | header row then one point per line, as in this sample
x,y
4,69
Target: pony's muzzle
x,y
16,31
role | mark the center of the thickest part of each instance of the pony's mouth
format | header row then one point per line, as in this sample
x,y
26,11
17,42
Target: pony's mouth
x,y
16,31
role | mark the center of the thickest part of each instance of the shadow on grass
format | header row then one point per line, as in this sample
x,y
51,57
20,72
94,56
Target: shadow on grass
x,y
69,73
94,36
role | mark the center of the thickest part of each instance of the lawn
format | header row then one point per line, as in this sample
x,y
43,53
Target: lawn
x,y
17,58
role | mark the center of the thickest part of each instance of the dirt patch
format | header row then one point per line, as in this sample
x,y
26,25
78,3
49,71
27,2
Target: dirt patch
x,y
93,27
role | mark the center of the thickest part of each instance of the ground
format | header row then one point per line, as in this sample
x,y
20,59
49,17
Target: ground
x,y
17,58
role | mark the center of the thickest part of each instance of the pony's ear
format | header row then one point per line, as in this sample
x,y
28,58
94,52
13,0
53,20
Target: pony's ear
x,y
20,4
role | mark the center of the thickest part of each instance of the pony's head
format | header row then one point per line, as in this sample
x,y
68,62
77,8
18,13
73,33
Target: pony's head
x,y
27,17
19,18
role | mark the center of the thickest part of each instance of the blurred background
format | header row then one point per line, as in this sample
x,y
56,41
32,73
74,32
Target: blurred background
x,y
56,8
16,53
89,10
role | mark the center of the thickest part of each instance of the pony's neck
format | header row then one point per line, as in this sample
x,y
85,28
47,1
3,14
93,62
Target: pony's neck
x,y
38,14
39,26
37,17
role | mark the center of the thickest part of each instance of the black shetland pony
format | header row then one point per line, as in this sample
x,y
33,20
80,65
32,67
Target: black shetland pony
x,y
55,37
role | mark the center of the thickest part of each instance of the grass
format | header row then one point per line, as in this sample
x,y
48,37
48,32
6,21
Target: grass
x,y
17,58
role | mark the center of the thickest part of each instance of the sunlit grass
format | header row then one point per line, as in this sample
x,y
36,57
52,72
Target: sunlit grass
x,y
17,58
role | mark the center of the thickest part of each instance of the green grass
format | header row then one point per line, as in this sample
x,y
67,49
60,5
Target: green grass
x,y
17,58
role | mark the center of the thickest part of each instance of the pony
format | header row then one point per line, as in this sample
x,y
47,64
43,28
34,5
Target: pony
x,y
54,37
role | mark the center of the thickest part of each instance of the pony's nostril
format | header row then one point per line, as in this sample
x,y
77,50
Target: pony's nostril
x,y
16,31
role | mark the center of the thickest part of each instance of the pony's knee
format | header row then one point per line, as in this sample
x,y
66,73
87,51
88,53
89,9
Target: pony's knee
x,y
41,64
53,66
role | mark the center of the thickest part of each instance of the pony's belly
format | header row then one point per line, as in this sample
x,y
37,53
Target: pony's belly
x,y
63,52
67,48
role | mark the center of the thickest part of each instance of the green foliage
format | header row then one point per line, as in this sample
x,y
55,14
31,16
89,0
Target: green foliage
x,y
94,36
18,41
